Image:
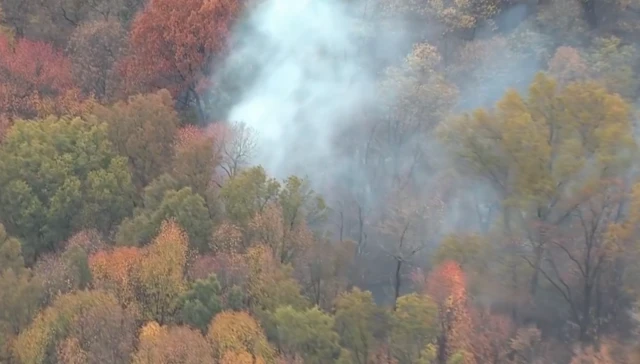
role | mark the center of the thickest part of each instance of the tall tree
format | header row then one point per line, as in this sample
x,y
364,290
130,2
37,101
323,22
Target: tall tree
x,y
116,272
196,159
539,151
184,206
161,273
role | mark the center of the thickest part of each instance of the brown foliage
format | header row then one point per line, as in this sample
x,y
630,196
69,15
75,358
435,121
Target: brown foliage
x,y
89,240
176,344
70,352
240,357
230,269
94,49
491,341
323,271
106,333
285,240
195,158
143,129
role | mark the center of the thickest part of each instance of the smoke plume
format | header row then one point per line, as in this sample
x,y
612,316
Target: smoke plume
x,y
309,78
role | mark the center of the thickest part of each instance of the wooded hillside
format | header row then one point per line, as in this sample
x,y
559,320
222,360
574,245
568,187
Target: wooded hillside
x,y
480,204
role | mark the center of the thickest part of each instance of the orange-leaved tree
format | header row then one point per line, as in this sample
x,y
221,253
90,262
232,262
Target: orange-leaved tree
x,y
174,43
446,284
115,271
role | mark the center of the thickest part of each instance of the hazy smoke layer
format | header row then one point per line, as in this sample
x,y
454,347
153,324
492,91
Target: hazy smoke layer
x,y
309,79
307,69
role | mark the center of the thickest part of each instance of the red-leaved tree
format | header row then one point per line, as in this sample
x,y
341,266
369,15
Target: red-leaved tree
x,y
31,73
173,43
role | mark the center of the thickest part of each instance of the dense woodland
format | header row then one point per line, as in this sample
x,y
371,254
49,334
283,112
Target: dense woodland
x,y
489,211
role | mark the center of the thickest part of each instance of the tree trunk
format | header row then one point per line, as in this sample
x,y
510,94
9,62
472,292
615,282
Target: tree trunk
x,y
396,284
535,277
589,8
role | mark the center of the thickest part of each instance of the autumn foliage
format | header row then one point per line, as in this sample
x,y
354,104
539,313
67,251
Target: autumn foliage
x,y
32,73
476,198
164,345
236,334
116,271
175,42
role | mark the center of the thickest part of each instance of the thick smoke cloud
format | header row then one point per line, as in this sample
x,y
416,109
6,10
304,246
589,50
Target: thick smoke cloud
x,y
308,69
309,80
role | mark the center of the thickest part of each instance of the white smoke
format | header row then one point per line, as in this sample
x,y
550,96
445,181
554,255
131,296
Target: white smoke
x,y
311,78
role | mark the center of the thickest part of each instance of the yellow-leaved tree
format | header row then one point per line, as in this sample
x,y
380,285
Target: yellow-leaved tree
x,y
162,273
82,327
557,159
236,334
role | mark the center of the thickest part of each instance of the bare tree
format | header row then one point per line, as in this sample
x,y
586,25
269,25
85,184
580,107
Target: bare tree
x,y
237,146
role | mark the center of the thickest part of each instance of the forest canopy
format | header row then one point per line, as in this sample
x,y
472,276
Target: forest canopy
x,y
351,182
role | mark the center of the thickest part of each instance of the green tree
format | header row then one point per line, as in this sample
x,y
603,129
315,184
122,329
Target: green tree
x,y
414,325
21,296
261,210
300,203
21,293
354,323
248,193
307,333
10,252
58,176
162,202
201,303
558,160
